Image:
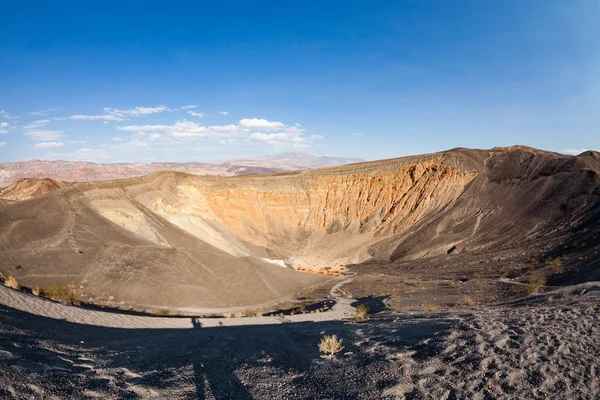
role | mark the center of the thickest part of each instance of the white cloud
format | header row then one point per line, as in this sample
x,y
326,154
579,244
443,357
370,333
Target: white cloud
x,y
113,114
37,124
188,107
43,112
574,151
118,139
358,134
147,136
278,134
4,126
2,144
223,112
107,117
256,123
136,111
45,145
45,134
279,139
6,115
196,114
189,129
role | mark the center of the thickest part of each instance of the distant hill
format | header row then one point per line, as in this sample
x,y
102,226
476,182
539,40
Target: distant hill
x,y
78,171
293,161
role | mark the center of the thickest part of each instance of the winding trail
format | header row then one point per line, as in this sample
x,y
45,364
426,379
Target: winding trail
x,y
46,308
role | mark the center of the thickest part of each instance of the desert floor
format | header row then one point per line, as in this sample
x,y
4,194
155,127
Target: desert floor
x,y
544,346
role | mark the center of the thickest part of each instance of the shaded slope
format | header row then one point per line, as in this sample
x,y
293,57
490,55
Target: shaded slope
x,y
521,197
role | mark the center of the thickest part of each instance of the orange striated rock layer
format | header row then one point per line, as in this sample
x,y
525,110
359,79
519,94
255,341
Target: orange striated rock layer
x,y
381,202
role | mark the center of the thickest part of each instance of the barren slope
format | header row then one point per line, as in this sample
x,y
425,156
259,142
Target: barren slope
x,y
27,188
59,237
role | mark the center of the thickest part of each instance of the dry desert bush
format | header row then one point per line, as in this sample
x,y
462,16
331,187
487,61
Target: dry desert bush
x,y
252,313
431,307
467,301
64,293
9,280
536,282
362,314
330,345
556,264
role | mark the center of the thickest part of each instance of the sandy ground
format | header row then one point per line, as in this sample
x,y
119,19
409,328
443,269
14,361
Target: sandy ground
x,y
541,347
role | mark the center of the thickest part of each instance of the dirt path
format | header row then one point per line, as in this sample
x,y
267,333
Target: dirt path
x,y
40,306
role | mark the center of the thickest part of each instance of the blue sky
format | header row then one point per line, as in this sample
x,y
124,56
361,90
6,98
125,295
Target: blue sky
x,y
124,81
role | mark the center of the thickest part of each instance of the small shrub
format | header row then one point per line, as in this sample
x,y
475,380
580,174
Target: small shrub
x,y
17,267
536,282
251,313
161,313
63,293
556,264
467,301
35,291
432,307
362,314
330,345
9,280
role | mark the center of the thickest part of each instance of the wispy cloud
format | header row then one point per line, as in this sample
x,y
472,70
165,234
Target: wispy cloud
x,y
358,134
45,145
189,107
189,129
279,139
196,114
574,151
247,130
223,112
44,135
118,139
43,112
37,124
2,144
6,115
114,114
105,117
136,111
4,126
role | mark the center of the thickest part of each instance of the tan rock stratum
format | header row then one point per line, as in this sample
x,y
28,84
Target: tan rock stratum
x,y
174,239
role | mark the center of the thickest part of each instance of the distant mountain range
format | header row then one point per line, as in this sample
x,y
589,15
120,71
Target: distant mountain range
x,y
77,171
293,161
